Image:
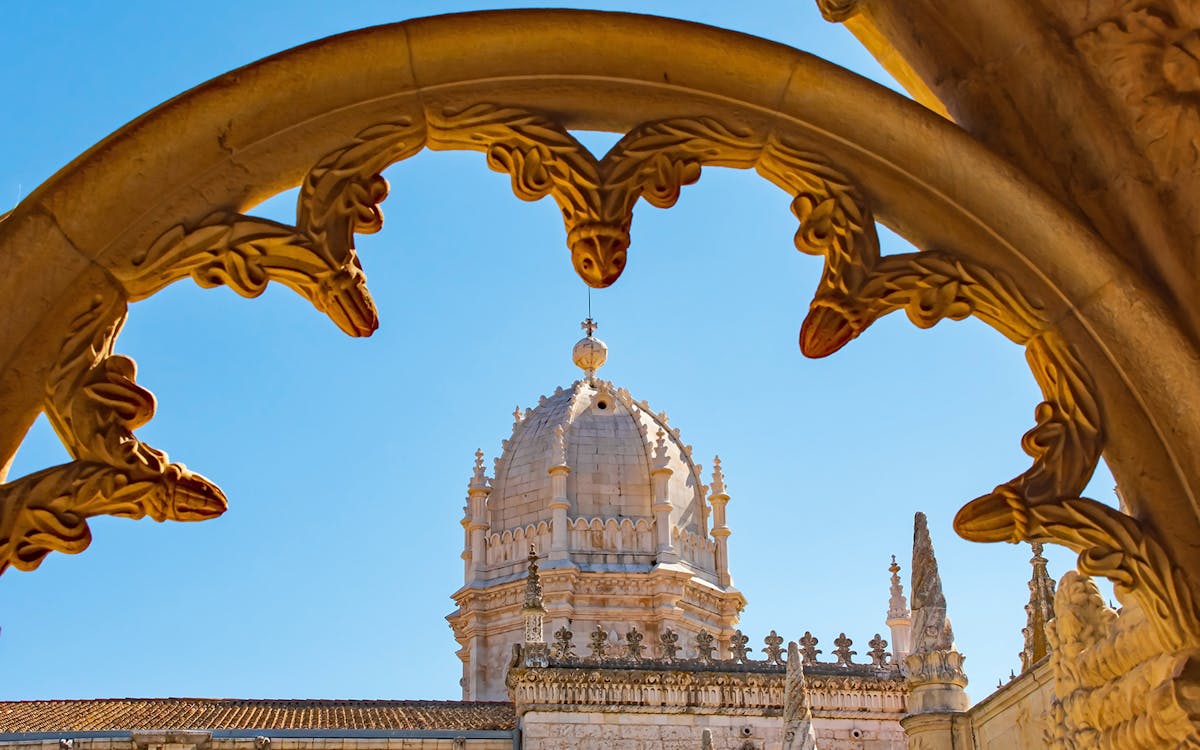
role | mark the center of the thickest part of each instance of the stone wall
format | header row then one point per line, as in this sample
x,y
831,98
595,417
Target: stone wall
x,y
556,730
447,741
1017,715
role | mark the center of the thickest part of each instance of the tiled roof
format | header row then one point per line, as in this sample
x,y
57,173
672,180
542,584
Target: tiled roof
x,y
228,713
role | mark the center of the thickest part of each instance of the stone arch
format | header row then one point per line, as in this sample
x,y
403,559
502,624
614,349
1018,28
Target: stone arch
x,y
165,197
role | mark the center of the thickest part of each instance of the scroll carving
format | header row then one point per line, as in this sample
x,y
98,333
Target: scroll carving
x,y
858,286
1117,684
94,403
654,161
93,400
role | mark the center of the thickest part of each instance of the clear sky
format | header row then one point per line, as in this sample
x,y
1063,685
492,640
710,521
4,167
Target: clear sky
x,y
346,461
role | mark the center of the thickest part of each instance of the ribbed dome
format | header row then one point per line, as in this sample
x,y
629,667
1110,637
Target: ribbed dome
x,y
609,443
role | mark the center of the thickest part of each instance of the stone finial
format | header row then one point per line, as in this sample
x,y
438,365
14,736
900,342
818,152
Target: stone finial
x,y
479,476
590,353
533,583
633,644
563,648
931,630
738,647
660,449
1038,612
773,649
599,642
534,652
897,604
798,732
878,652
669,640
705,645
718,477
843,652
518,415
808,646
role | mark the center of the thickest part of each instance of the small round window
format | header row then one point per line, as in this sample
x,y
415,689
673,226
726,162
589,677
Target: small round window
x,y
602,405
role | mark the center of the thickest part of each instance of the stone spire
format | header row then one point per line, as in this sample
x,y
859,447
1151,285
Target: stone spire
x,y
798,732
935,672
589,353
931,625
476,522
899,619
1038,612
720,530
535,652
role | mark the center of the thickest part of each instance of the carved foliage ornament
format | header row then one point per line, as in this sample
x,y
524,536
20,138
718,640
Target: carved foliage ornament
x,y
340,197
92,399
858,286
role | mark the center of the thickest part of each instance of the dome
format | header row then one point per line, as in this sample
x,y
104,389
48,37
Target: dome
x,y
612,448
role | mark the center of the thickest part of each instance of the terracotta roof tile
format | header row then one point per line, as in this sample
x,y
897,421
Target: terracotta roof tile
x,y
123,714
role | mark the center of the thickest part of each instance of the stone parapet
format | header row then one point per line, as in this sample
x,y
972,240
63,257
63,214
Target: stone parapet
x,y
623,684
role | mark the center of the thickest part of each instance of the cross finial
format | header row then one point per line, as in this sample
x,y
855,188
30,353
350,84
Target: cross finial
x,y
589,326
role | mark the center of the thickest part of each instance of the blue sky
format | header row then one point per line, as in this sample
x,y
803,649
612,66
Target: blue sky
x,y
346,461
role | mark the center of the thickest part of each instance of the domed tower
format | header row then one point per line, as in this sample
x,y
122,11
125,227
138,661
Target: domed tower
x,y
626,532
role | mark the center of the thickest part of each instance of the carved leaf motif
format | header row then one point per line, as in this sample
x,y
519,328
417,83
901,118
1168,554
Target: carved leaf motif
x,y
858,286
94,403
596,198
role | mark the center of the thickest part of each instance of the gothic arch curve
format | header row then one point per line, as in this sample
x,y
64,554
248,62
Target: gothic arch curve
x,y
166,197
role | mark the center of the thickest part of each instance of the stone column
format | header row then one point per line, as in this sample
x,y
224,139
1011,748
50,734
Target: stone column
x,y
477,494
661,473
720,531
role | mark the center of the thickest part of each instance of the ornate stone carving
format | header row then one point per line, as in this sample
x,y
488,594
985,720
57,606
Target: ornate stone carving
x,y
599,642
704,645
94,403
808,647
773,648
738,647
563,649
934,667
798,732
878,652
92,399
1039,611
633,644
843,652
858,286
653,161
1117,685
931,625
669,642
